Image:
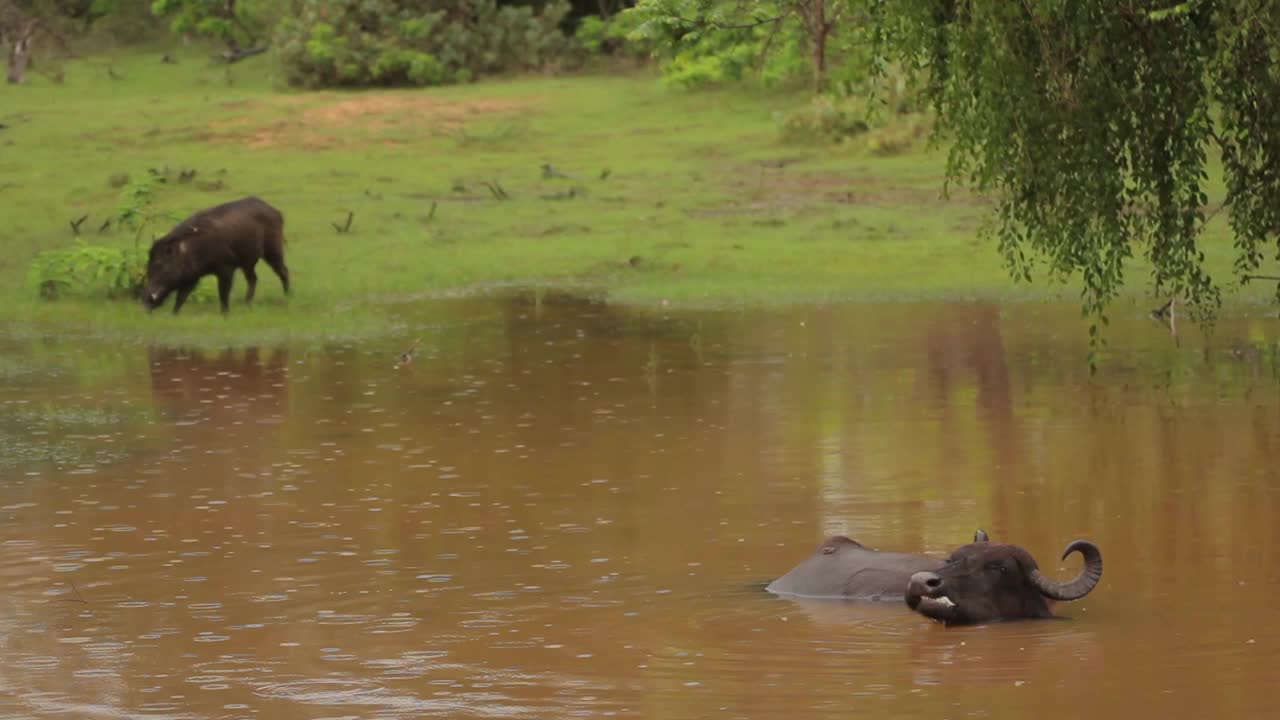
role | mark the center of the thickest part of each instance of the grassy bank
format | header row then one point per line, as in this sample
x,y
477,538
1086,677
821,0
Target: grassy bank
x,y
673,198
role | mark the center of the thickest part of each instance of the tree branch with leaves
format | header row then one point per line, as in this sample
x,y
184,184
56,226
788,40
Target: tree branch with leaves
x,y
1094,125
224,21
677,23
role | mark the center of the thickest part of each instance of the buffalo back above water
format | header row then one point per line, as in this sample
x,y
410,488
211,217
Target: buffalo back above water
x,y
844,568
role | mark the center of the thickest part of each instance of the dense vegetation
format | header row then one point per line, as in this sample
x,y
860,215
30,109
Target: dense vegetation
x,y
1098,129
410,42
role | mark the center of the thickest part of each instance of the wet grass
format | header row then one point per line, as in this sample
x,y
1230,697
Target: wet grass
x,y
671,198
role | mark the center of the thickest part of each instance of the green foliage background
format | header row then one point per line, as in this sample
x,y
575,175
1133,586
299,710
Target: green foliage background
x,y
410,42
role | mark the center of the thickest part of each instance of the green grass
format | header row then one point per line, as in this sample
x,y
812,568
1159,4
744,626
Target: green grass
x,y
695,209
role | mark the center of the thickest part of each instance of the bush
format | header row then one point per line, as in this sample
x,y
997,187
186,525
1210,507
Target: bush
x,y
717,42
88,270
414,42
613,36
825,119
831,119
236,23
97,271
704,42
119,22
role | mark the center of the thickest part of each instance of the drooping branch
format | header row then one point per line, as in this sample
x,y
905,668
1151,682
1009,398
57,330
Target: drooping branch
x,y
236,55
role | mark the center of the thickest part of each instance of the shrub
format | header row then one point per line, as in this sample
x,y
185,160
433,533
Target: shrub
x,y
833,119
88,270
825,119
613,36
414,42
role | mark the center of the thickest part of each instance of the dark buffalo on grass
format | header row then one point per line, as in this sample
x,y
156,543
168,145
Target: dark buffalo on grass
x,y
217,241
978,583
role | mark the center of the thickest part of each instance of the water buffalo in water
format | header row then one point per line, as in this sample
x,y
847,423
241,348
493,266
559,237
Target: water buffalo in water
x,y
979,582
217,241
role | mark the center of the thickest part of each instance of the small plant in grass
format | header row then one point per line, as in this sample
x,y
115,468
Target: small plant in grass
x,y
137,208
94,270
85,269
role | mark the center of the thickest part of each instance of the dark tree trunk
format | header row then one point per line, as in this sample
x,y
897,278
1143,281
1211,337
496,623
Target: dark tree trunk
x,y
20,53
818,26
19,58
820,53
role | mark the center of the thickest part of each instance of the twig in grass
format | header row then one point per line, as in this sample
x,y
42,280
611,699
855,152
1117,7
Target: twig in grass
x,y
104,226
569,194
1166,315
495,187
347,227
549,172
75,224
432,212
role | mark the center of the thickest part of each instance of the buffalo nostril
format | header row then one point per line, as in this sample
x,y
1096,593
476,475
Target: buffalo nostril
x,y
926,582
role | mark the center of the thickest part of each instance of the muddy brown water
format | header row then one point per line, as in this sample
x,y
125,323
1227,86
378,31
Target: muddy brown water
x,y
564,509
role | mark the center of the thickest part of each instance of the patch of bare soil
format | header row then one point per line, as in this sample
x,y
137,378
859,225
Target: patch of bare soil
x,y
757,189
321,122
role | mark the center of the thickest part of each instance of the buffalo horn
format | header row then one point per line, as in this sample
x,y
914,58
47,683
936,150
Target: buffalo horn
x,y
1075,589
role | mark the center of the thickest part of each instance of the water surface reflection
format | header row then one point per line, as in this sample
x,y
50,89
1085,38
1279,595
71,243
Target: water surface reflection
x,y
563,508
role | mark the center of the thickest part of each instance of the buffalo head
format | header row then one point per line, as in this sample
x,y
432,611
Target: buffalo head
x,y
987,581
167,269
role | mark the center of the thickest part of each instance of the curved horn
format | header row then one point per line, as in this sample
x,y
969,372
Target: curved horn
x,y
1075,589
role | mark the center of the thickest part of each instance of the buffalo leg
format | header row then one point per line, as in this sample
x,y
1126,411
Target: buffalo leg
x,y
224,288
183,292
276,261
251,278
